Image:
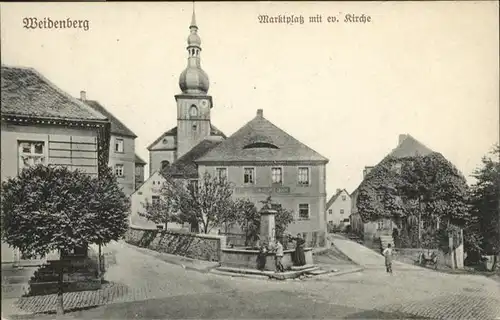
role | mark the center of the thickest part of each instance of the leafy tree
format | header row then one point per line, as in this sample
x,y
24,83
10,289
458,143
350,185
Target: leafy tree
x,y
378,193
485,203
161,212
412,189
48,208
205,203
248,218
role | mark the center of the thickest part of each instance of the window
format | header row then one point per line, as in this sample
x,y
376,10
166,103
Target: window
x,y
155,200
277,175
249,175
165,164
304,176
304,211
31,153
119,170
396,168
193,111
330,211
119,145
341,211
194,185
221,173
343,198
380,225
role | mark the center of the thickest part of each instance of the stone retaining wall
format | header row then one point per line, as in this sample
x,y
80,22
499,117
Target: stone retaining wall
x,y
197,246
410,255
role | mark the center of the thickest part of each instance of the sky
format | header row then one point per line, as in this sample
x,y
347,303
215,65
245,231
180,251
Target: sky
x,y
347,90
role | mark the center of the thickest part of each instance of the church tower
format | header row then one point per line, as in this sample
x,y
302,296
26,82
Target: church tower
x,y
193,104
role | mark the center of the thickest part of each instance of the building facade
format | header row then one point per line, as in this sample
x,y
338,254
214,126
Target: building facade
x,y
41,124
139,172
261,160
338,208
122,157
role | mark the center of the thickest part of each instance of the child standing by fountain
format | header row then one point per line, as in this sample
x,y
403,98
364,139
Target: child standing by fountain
x,y
278,249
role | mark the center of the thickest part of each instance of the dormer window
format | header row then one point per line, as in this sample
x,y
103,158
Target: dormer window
x,y
193,111
260,141
260,145
165,164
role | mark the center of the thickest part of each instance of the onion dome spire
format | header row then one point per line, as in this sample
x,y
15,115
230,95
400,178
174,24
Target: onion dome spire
x,y
193,80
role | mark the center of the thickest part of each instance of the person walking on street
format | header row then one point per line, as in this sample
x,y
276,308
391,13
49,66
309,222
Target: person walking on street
x,y
388,258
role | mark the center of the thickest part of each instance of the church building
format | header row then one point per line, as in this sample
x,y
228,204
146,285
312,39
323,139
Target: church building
x,y
259,159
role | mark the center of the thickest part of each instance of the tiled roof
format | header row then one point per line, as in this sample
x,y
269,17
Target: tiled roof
x,y
334,197
138,160
407,147
117,127
25,92
173,132
260,140
185,166
410,147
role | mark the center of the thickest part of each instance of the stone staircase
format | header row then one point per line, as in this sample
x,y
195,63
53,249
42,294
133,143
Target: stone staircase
x,y
78,275
385,240
294,272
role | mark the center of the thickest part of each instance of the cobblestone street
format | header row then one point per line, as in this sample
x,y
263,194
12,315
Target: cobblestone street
x,y
145,287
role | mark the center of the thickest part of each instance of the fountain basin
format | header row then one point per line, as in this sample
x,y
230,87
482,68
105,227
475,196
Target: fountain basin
x,y
245,257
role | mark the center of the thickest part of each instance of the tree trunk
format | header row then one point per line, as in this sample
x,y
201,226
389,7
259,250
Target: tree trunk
x,y
99,262
59,302
495,262
419,221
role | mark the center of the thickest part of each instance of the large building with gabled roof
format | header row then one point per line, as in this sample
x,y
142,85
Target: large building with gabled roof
x,y
261,159
407,146
42,124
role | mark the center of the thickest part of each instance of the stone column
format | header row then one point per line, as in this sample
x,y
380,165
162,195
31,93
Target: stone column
x,y
267,225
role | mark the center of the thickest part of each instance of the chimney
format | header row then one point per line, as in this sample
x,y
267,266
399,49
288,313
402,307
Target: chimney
x,y
402,137
260,113
337,191
83,95
366,171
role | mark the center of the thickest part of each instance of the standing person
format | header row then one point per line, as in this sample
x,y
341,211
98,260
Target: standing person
x,y
388,258
300,258
278,249
261,258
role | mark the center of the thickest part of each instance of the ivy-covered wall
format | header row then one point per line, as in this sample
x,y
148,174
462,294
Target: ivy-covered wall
x,y
197,246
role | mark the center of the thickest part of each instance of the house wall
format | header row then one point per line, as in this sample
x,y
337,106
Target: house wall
x,y
374,229
290,194
151,187
157,156
139,175
75,148
335,216
127,158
